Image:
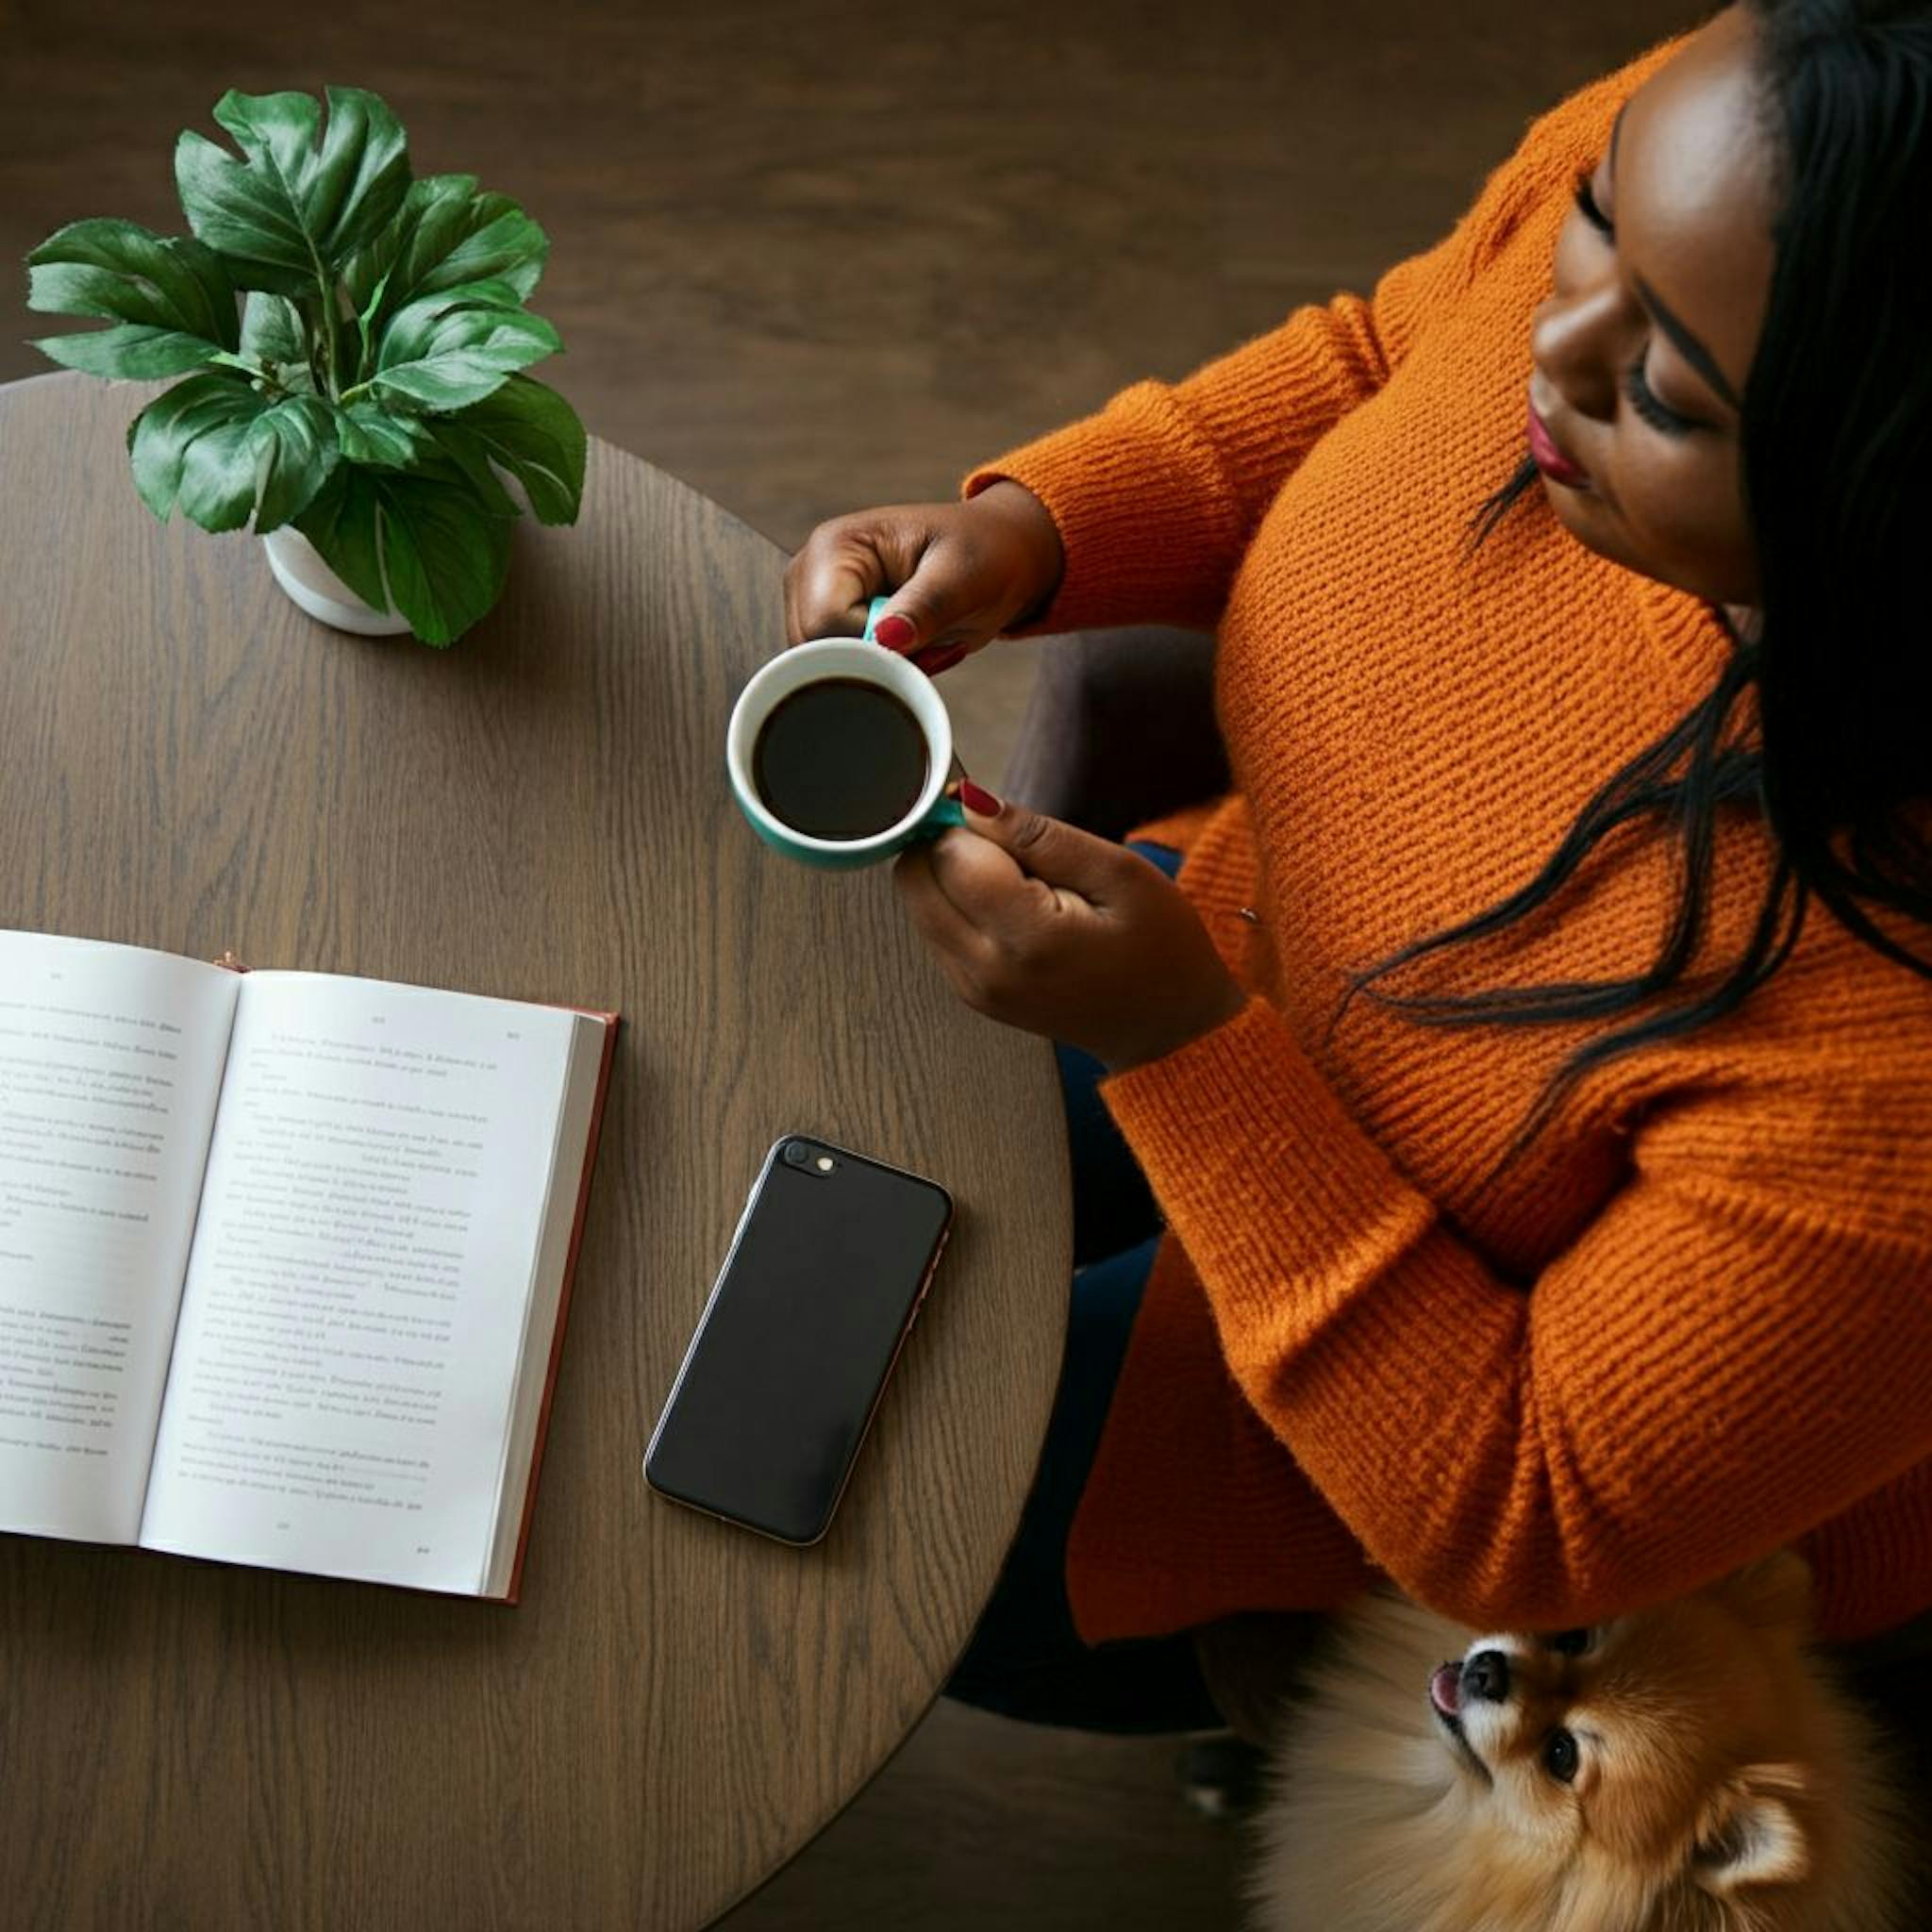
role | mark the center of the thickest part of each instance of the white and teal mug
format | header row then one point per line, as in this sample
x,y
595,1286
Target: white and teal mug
x,y
843,660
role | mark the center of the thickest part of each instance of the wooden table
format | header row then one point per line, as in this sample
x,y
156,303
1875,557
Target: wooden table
x,y
675,1706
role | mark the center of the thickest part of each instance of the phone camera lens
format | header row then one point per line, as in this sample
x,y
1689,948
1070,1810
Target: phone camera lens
x,y
798,1153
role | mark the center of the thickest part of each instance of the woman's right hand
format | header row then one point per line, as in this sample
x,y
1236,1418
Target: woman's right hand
x,y
957,573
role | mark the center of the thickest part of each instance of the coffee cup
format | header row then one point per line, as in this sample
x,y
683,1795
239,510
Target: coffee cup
x,y
838,751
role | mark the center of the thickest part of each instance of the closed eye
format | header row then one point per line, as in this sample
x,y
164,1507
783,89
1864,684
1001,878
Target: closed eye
x,y
1591,209
1651,407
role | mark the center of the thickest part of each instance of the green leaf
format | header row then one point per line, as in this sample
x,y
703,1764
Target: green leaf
x,y
169,295
418,543
530,431
467,457
366,321
448,350
272,329
303,199
446,235
129,353
341,523
218,477
367,433
190,444
445,563
293,445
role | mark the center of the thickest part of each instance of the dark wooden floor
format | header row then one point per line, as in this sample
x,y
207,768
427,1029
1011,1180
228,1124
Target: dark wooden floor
x,y
815,253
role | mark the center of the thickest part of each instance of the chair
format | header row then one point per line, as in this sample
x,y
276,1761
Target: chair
x,y
1119,729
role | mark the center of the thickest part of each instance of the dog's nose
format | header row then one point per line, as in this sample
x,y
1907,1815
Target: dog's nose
x,y
1486,1676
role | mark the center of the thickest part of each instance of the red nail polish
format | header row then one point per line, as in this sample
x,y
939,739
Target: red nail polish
x,y
974,799
895,632
940,661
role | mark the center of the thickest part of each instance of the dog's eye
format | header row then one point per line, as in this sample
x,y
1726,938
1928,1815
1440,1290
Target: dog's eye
x,y
1560,1755
1569,1642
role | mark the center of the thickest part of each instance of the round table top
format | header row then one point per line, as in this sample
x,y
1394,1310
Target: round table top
x,y
675,1706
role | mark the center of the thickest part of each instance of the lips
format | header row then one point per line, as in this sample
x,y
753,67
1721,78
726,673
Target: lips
x,y
1549,458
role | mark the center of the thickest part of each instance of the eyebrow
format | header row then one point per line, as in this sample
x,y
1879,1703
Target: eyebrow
x,y
1688,346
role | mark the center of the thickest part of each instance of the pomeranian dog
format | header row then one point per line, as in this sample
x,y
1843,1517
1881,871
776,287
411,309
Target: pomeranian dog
x,y
1686,1769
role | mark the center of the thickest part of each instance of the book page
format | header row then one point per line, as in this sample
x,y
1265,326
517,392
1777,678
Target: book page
x,y
576,1138
111,1059
357,1289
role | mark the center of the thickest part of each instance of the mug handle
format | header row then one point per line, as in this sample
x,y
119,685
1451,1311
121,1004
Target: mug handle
x,y
874,611
945,812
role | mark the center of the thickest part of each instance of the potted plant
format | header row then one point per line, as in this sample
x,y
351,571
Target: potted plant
x,y
353,344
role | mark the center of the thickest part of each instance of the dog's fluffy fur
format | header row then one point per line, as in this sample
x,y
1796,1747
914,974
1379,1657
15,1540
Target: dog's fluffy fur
x,y
1717,1782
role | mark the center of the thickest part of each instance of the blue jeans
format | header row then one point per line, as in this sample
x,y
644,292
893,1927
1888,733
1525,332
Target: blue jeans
x,y
1025,1659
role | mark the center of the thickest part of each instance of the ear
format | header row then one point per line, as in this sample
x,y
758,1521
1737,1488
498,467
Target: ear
x,y
1775,1593
1751,1833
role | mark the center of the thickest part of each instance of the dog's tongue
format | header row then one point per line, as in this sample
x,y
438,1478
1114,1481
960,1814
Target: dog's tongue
x,y
1445,1688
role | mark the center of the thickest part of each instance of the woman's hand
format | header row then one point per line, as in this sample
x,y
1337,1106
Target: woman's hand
x,y
1045,927
959,574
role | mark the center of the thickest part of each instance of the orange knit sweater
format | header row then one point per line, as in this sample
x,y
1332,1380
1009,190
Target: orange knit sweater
x,y
1695,1321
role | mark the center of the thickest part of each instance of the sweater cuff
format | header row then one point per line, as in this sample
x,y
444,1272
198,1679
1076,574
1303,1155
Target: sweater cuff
x,y
1268,1180
1148,525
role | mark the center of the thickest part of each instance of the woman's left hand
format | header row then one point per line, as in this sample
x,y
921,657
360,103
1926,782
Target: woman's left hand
x,y
1042,927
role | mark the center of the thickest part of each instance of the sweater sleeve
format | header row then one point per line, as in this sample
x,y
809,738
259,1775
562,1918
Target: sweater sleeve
x,y
1736,1349
1158,494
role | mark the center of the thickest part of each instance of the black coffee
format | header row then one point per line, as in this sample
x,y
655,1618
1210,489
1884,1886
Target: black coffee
x,y
839,758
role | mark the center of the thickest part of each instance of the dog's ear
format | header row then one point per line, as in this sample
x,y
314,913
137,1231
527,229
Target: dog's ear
x,y
1751,1833
1775,1593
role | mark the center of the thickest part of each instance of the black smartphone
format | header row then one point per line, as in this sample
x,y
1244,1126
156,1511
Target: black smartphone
x,y
833,1256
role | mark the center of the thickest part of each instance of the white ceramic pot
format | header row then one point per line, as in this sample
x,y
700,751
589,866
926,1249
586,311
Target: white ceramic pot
x,y
317,589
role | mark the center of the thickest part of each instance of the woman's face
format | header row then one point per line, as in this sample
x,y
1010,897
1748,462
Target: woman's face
x,y
1642,352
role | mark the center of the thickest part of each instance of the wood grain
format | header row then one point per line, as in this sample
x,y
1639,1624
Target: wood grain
x,y
827,253
543,814
822,254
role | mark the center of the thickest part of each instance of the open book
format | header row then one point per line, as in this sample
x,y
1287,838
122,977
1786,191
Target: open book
x,y
284,1259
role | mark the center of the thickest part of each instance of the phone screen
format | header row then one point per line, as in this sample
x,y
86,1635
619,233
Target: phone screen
x,y
788,1363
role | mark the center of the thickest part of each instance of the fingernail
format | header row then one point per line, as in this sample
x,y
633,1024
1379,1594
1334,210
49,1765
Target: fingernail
x,y
974,800
895,632
932,663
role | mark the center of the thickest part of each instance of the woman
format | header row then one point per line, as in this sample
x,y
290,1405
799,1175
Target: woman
x,y
1586,1253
